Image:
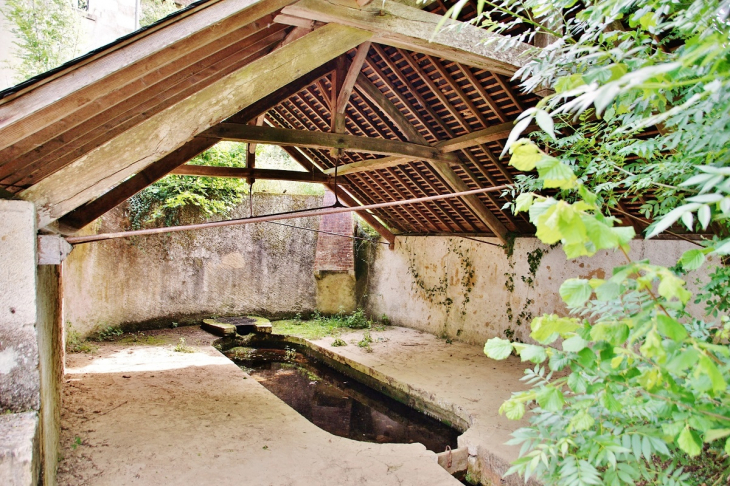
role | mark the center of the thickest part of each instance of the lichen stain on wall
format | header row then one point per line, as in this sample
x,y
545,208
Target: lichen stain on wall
x,y
181,277
420,284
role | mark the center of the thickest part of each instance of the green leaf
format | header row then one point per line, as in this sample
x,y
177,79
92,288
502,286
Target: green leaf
x,y
692,259
545,121
550,399
652,347
709,368
608,291
672,286
525,155
582,421
554,173
613,332
714,434
513,409
683,360
567,83
610,402
523,202
689,441
670,328
497,348
574,344
530,352
575,292
577,383
547,328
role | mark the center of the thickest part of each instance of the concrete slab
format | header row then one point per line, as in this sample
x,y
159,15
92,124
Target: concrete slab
x,y
457,378
146,415
19,444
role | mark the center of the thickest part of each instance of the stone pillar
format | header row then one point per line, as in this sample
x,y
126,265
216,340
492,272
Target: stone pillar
x,y
19,373
334,262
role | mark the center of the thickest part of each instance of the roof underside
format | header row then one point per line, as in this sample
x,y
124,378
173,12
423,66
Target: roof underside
x,y
69,139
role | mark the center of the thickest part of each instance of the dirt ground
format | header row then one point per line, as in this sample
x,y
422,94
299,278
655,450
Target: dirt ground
x,y
140,413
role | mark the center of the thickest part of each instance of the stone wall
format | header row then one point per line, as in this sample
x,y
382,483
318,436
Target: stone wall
x,y
260,268
455,288
31,356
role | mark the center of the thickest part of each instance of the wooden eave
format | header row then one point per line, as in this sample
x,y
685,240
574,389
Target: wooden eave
x,y
87,136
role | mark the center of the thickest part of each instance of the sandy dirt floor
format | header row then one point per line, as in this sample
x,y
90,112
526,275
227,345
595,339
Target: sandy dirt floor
x,y
144,414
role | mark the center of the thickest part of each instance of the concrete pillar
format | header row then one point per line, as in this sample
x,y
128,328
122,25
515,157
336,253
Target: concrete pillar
x,y
19,371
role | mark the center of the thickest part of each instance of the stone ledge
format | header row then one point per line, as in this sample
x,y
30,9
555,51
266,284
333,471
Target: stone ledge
x,y
19,449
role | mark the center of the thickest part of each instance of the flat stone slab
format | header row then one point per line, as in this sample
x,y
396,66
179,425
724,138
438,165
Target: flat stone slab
x,y
456,377
19,449
221,326
218,328
147,415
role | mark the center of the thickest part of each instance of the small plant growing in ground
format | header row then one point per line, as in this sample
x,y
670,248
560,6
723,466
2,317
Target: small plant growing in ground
x,y
338,342
366,341
76,344
290,354
385,320
109,333
174,325
182,347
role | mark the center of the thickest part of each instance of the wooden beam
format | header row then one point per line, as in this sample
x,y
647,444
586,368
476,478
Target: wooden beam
x,y
295,21
45,103
376,97
348,200
80,217
486,135
93,174
245,173
84,215
39,163
343,97
410,28
371,164
322,140
452,179
267,102
458,185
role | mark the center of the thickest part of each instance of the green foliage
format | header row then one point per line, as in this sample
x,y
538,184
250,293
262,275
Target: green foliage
x,y
638,387
163,201
108,333
154,10
366,341
47,34
76,344
182,347
338,342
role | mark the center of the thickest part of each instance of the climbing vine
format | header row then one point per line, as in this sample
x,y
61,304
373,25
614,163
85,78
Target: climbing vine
x,y
437,293
534,258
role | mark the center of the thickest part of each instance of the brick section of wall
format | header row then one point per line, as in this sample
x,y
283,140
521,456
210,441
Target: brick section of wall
x,y
334,253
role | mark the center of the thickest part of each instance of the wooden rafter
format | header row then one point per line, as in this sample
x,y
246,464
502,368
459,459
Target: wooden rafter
x,y
343,96
407,27
322,140
246,173
59,194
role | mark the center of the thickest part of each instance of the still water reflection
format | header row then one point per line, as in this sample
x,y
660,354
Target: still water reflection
x,y
340,405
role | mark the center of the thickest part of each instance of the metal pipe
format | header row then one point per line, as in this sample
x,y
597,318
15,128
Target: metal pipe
x,y
75,240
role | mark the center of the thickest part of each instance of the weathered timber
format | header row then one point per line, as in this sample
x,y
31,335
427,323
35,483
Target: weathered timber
x,y
84,215
105,167
45,103
245,172
372,93
410,28
345,198
322,140
80,217
446,172
486,135
371,164
343,97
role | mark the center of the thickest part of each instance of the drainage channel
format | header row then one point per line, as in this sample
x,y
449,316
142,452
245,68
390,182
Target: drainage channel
x,y
339,404
345,401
